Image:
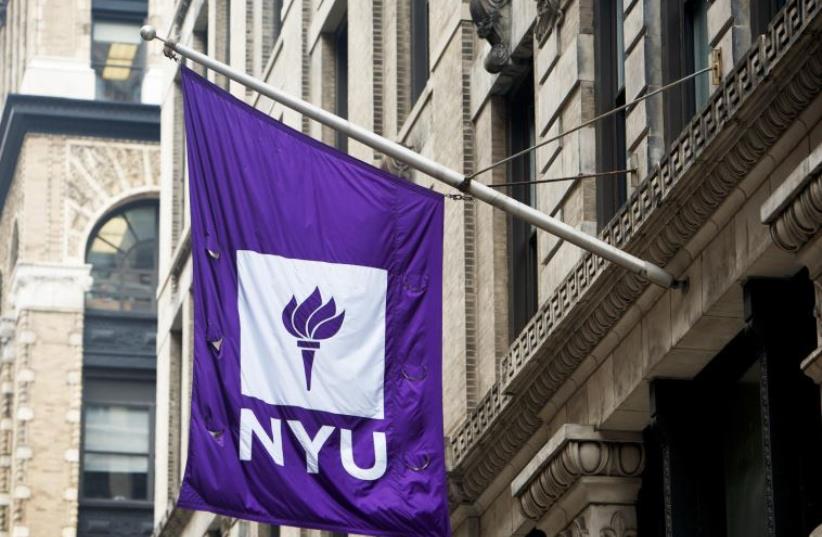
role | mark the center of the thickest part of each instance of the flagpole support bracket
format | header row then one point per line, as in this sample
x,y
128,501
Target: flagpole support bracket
x,y
465,185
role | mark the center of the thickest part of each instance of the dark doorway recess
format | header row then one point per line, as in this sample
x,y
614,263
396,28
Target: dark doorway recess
x,y
735,451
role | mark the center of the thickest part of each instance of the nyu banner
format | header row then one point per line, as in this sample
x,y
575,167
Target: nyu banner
x,y
317,331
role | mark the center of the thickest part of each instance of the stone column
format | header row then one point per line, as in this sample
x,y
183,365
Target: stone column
x,y
45,397
582,482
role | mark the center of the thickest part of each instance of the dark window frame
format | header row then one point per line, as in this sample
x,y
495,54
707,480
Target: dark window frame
x,y
612,190
110,502
114,213
276,8
762,13
420,62
109,12
341,80
523,263
680,102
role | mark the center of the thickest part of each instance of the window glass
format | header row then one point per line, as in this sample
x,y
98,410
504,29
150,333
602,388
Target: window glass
x,y
123,255
117,56
609,92
117,429
744,459
698,15
522,236
419,48
116,452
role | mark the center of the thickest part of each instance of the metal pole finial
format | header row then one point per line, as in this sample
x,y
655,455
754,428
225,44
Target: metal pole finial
x,y
148,32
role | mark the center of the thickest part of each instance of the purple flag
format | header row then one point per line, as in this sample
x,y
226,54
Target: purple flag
x,y
317,385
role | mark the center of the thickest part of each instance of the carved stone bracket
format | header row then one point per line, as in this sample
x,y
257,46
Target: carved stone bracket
x,y
801,219
492,18
549,15
577,468
395,167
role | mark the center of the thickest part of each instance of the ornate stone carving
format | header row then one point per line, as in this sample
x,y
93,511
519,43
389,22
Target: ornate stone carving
x,y
618,528
98,174
801,219
573,453
577,528
549,15
492,19
703,166
395,167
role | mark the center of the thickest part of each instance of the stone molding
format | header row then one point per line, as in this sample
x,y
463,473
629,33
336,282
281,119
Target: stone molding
x,y
801,219
767,90
573,453
49,286
173,521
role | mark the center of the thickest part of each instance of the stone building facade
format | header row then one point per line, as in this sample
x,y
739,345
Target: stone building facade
x,y
79,163
579,399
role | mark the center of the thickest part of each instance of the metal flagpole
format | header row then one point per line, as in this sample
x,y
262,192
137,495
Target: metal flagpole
x,y
448,176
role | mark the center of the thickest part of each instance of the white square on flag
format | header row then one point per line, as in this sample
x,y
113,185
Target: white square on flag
x,y
347,368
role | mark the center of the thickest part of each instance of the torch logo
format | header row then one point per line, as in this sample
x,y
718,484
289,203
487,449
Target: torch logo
x,y
310,322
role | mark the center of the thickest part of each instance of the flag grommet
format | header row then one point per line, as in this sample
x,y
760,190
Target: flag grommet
x,y
423,372
426,462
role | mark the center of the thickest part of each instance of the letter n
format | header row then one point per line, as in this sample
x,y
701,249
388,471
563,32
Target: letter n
x,y
250,427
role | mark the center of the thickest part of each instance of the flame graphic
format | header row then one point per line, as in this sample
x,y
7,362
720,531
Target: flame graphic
x,y
311,321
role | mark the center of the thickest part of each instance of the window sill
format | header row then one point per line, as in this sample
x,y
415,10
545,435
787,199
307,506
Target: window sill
x,y
116,504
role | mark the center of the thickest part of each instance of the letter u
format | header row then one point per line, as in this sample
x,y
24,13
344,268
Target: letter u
x,y
347,457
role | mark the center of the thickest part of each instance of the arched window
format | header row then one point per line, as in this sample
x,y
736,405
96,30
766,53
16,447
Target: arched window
x,y
117,461
123,253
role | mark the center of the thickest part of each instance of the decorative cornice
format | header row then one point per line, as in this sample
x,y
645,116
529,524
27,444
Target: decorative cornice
x,y
492,18
573,453
801,219
757,102
35,113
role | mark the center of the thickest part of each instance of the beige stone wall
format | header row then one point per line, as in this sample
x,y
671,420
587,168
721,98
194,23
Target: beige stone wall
x,y
46,417
62,186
